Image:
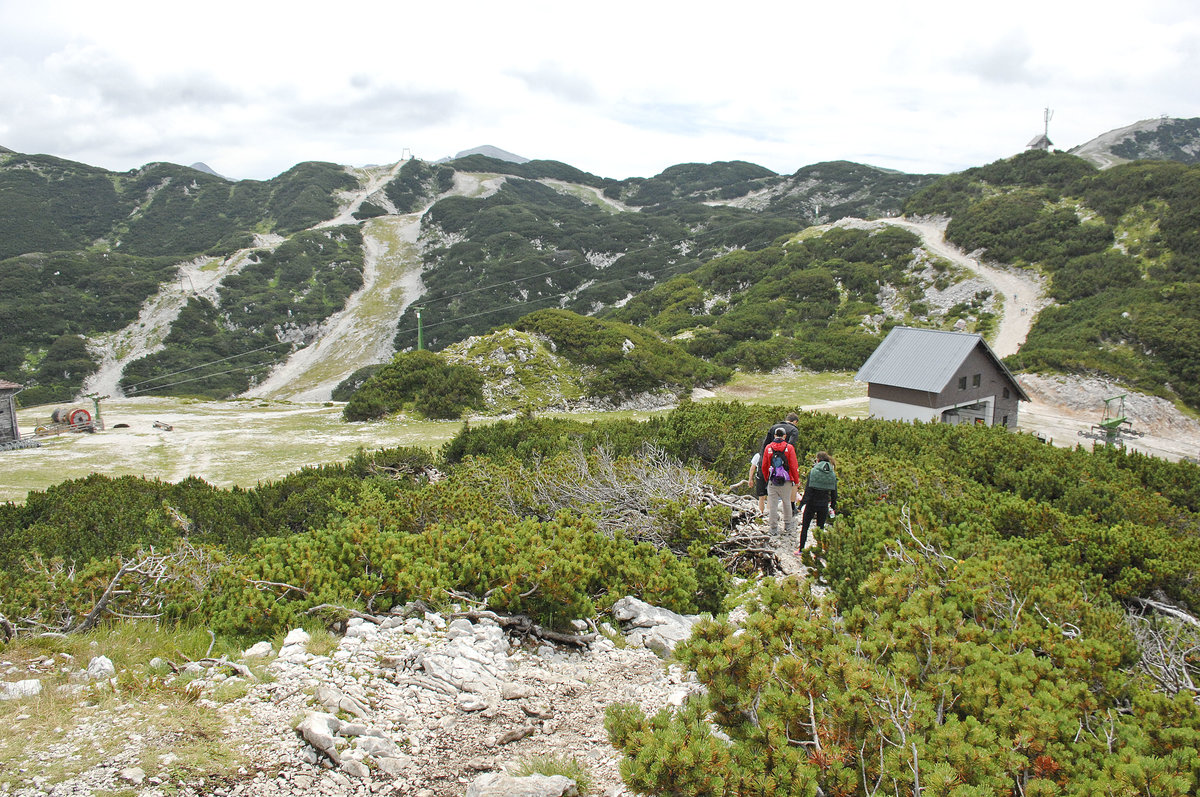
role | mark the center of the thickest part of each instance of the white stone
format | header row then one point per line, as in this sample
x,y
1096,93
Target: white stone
x,y
362,630
16,690
258,650
297,636
355,769
375,747
101,668
495,784
318,730
469,702
394,765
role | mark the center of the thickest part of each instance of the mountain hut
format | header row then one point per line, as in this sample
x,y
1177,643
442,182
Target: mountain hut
x,y
1041,141
940,377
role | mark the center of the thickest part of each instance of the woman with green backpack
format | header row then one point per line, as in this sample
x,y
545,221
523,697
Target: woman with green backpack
x,y
820,496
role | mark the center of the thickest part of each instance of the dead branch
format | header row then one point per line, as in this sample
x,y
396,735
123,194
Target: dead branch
x,y
405,470
1170,648
622,492
524,626
1164,608
94,615
263,585
240,669
137,591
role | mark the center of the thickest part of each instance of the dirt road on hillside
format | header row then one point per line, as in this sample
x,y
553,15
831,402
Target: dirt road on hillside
x,y
1022,293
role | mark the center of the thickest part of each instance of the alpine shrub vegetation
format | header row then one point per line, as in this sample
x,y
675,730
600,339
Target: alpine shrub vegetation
x,y
992,619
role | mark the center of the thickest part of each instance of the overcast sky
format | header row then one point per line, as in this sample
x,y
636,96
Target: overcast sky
x,y
619,89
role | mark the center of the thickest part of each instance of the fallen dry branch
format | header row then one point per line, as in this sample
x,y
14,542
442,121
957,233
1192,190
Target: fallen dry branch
x,y
240,669
1169,647
1167,609
524,626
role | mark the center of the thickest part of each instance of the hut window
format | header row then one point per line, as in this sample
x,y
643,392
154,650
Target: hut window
x,y
962,383
975,380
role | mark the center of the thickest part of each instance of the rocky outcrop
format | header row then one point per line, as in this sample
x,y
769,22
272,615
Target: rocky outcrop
x,y
427,705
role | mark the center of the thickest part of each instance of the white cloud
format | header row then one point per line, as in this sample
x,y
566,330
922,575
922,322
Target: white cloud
x,y
619,89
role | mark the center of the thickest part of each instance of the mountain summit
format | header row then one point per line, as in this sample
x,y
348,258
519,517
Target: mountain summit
x,y
491,152
200,166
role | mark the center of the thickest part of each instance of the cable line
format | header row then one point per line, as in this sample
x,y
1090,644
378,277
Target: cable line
x,y
136,385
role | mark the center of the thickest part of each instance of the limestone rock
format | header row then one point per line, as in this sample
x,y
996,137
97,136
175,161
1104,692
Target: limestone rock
x,y
354,768
100,668
333,700
498,785
394,765
258,650
319,730
469,702
511,691
297,636
653,627
16,690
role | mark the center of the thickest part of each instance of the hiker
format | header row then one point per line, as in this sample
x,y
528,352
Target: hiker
x,y
755,478
820,496
781,472
792,433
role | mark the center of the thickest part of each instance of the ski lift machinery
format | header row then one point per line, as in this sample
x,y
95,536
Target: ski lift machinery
x,y
1114,426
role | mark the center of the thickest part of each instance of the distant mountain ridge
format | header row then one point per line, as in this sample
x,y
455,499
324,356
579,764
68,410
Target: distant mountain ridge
x,y
493,237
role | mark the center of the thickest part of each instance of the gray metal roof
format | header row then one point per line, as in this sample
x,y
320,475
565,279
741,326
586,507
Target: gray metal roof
x,y
924,359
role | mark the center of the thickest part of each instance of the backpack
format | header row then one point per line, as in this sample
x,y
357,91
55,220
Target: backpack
x,y
779,468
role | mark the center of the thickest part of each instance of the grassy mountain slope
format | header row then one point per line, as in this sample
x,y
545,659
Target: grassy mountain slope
x,y
551,236
1122,249
261,313
50,204
1150,139
816,300
528,246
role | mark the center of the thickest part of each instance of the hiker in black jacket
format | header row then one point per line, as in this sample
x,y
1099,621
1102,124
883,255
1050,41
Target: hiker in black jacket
x,y
820,496
792,435
790,432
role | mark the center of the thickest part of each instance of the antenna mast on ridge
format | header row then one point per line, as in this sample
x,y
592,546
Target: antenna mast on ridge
x,y
1048,115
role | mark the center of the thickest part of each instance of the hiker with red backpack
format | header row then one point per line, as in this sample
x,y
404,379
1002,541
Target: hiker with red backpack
x,y
781,471
792,433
